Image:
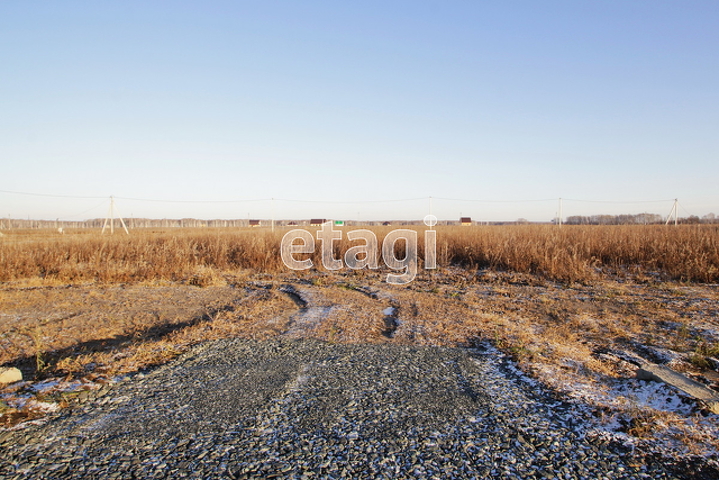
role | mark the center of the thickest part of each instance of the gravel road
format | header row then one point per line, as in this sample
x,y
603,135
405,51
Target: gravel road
x,y
307,409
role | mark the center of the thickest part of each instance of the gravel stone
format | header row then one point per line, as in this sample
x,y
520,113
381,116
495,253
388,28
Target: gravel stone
x,y
304,409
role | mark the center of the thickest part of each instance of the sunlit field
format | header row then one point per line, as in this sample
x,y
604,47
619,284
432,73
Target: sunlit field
x,y
569,304
569,253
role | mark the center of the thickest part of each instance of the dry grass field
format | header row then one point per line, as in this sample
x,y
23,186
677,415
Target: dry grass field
x,y
567,254
567,304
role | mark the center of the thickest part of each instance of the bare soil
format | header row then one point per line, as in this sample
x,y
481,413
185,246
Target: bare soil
x,y
574,338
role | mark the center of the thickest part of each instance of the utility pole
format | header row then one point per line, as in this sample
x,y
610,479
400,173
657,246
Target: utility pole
x,y
111,218
273,213
559,217
675,212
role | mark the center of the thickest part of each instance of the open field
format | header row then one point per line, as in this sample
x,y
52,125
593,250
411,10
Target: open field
x,y
571,306
567,254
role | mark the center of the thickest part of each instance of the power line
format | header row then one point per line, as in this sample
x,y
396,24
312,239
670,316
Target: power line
x,y
288,200
248,200
495,201
88,210
682,207
353,202
194,201
618,201
49,195
333,202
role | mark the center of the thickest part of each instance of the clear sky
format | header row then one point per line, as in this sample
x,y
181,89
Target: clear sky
x,y
507,103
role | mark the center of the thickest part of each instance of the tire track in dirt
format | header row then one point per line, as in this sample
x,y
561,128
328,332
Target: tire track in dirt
x,y
390,313
311,313
341,313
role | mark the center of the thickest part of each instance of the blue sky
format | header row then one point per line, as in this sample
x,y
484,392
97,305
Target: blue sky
x,y
348,103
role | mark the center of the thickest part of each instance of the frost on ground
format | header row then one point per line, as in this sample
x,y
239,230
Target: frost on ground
x,y
639,412
577,339
26,403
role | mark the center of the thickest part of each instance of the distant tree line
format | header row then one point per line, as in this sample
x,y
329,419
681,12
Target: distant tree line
x,y
97,223
638,219
627,219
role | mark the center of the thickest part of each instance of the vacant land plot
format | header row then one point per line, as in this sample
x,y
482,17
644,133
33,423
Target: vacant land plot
x,y
577,308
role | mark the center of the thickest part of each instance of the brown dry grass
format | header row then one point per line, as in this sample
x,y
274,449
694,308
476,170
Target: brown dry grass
x,y
572,253
569,254
552,298
48,324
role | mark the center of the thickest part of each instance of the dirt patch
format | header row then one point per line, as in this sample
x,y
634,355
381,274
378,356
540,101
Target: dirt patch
x,y
559,333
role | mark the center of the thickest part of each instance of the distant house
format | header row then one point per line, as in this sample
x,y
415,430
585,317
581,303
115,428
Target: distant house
x,y
316,222
465,221
292,224
254,223
386,224
339,223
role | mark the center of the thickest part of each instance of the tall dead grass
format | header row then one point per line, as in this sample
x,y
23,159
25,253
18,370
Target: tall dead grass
x,y
570,253
143,255
578,253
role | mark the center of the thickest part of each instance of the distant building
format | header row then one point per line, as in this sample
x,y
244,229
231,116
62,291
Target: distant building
x,y
339,223
386,224
465,221
292,224
254,223
316,222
